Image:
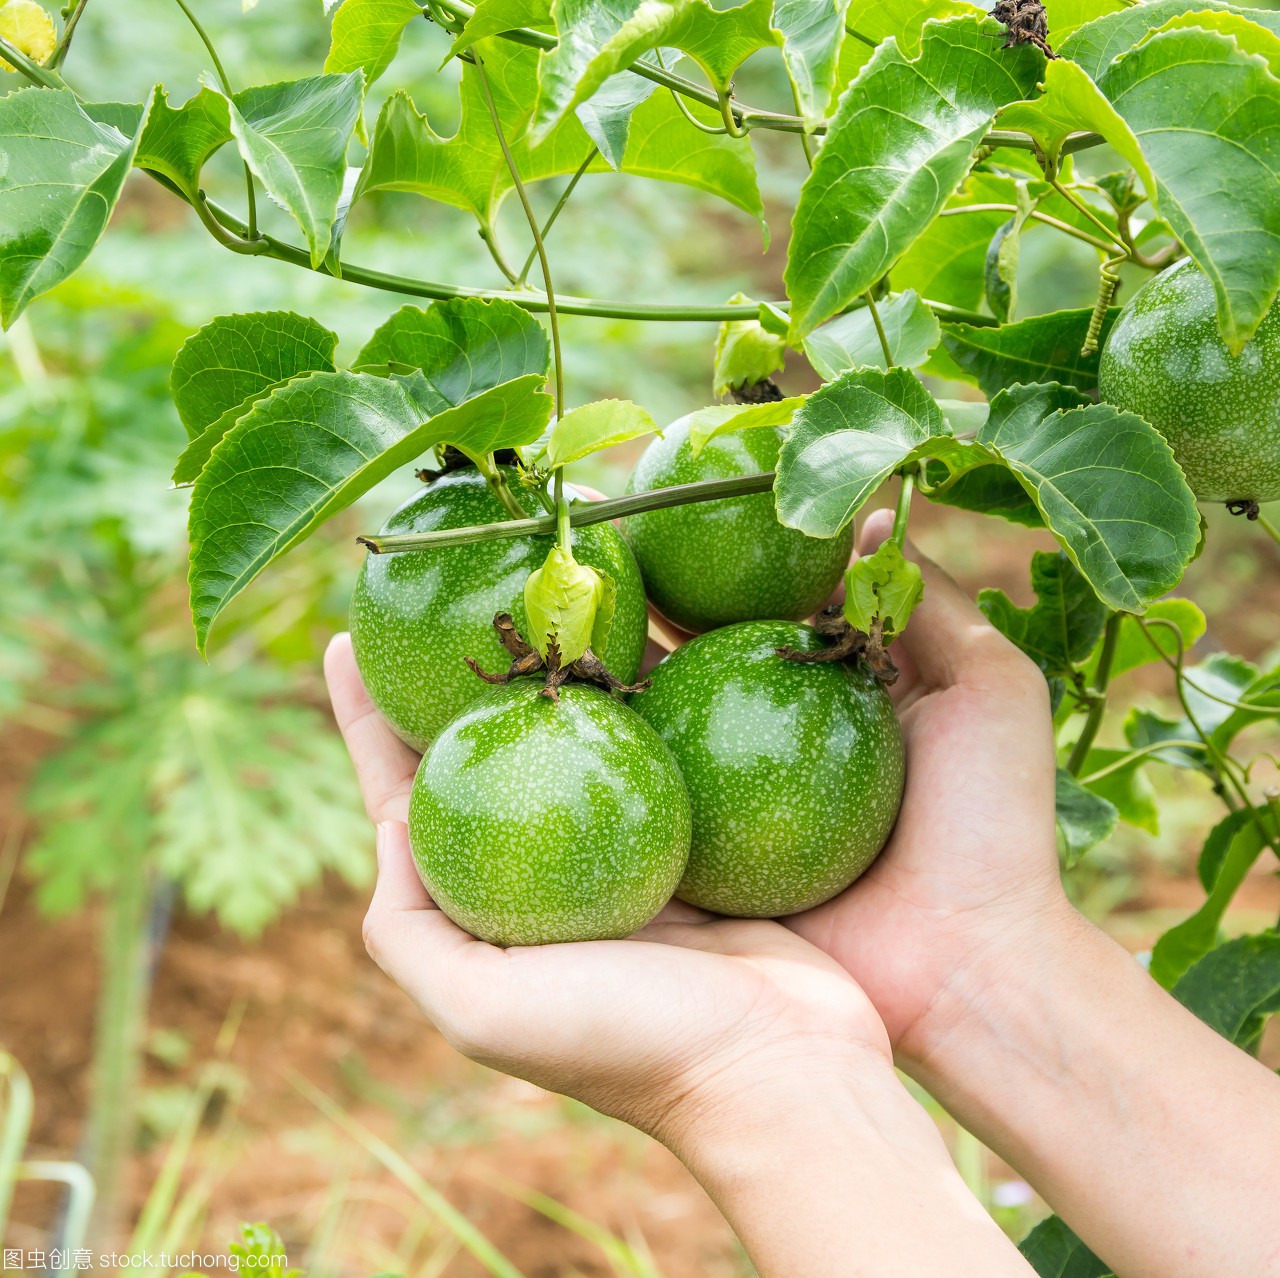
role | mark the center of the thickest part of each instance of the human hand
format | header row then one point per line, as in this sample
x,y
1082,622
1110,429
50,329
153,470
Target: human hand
x,y
682,1030
970,873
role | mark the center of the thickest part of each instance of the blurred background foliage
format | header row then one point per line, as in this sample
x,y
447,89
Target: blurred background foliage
x,y
139,781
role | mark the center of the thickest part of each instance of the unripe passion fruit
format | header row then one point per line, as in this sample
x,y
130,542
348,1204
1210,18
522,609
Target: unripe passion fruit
x,y
714,563
1166,361
416,616
535,822
794,771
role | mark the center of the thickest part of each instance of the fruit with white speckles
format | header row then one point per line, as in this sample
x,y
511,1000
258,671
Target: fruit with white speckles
x,y
1166,361
718,562
534,822
416,616
794,771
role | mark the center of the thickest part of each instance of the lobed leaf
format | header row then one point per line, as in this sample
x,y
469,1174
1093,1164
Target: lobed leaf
x,y
294,136
813,32
599,38
1106,485
314,445
585,430
846,439
851,340
905,20
366,35
1061,629
1045,348
177,141
236,358
61,177
901,142
462,346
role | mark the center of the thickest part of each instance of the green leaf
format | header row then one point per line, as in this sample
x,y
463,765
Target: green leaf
x,y
309,449
746,352
235,358
812,33
846,439
1002,259
562,600
883,588
1045,348
463,346
1234,844
469,172
851,341
1096,44
607,114
61,177
1134,649
294,137
720,419
1235,987
598,40
1061,629
493,17
1084,819
176,142
905,20
1127,786
1105,483
987,490
588,429
366,35
1197,104
901,141
1068,15
1053,1251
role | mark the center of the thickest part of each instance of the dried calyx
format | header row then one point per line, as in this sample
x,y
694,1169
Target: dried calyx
x,y
848,645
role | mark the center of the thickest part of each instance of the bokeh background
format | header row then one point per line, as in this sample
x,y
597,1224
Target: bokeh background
x,y
183,860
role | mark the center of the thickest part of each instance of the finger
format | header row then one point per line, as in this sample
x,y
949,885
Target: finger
x,y
432,959
948,640
384,765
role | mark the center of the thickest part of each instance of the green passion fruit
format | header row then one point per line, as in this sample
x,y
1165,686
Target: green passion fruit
x,y
1166,361
714,563
795,771
535,822
415,617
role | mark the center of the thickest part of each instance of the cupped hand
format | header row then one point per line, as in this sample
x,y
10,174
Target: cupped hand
x,y
970,873
695,1020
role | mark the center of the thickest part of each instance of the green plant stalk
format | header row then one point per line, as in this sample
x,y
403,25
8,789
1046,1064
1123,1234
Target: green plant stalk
x,y
553,319
490,240
1224,765
46,79
580,515
251,199
1098,706
59,55
17,1105
498,483
903,510
1143,752
121,1021
870,300
1268,527
1065,227
555,213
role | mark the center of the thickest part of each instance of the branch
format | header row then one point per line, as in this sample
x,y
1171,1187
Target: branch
x,y
596,512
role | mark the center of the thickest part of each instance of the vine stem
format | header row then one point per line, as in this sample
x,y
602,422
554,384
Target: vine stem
x,y
880,333
1098,707
1268,527
59,55
1036,216
580,515
579,173
252,204
903,511
1143,752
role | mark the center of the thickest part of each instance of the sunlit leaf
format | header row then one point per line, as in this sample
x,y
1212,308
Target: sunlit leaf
x,y
904,20
585,430
721,419
28,27
61,176
366,35
812,33
901,141
309,449
177,141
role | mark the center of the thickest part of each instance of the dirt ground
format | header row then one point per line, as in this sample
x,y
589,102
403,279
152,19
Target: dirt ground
x,y
314,1004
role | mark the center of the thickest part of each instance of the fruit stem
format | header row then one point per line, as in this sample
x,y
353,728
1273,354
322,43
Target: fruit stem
x,y
579,516
498,482
1098,703
904,508
1268,527
548,288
